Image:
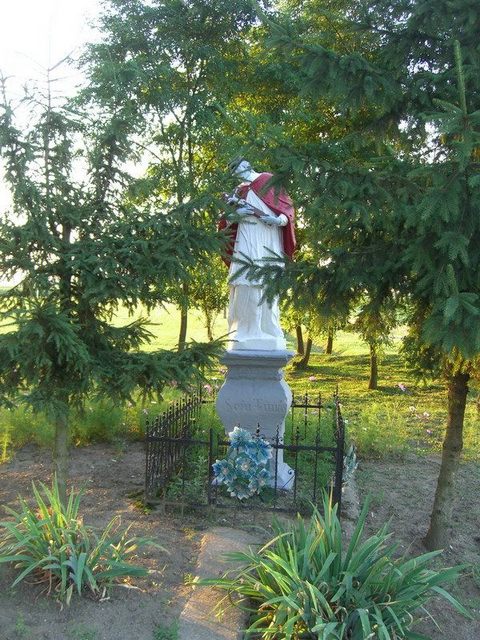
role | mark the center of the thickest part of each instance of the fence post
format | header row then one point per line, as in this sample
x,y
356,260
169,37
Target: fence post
x,y
148,456
340,442
210,499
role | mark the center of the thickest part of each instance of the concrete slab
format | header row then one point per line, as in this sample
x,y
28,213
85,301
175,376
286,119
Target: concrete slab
x,y
199,620
350,508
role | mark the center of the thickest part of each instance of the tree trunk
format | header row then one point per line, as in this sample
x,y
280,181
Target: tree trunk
x,y
300,343
441,517
182,336
303,363
209,322
373,382
329,348
61,454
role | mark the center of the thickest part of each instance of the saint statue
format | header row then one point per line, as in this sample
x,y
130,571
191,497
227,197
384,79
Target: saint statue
x,y
262,226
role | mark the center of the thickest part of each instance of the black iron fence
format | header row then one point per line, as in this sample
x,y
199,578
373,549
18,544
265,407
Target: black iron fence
x,y
167,438
181,447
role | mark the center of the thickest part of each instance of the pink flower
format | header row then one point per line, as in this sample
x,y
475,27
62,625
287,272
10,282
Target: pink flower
x,y
208,388
313,378
402,387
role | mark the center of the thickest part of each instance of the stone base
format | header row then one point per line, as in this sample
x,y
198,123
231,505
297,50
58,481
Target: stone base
x,y
257,344
255,394
285,476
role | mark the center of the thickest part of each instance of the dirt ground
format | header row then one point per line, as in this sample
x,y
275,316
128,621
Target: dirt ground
x,y
402,492
109,477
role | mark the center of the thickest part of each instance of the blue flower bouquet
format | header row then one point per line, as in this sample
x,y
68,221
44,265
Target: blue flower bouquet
x,y
245,469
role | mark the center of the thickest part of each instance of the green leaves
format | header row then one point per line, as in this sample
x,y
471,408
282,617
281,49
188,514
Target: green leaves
x,y
448,326
391,185
303,583
81,242
50,540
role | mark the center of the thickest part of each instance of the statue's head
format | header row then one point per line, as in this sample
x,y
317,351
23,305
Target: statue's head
x,y
240,167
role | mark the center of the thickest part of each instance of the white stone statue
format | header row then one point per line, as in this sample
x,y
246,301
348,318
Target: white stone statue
x,y
266,227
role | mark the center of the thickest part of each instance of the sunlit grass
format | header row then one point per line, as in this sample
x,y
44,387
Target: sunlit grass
x,y
388,421
164,324
400,417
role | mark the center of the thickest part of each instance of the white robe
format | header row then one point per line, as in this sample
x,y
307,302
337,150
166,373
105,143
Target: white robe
x,y
255,241
253,323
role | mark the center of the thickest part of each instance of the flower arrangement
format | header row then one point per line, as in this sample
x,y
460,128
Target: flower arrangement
x,y
245,469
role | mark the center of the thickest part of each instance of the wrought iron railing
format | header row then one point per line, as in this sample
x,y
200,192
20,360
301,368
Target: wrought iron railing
x,y
166,438
179,456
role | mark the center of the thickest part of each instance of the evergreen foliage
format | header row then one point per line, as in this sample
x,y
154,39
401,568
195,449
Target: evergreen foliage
x,y
78,246
393,183
173,66
405,175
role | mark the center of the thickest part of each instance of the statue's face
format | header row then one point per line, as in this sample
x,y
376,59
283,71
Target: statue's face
x,y
243,170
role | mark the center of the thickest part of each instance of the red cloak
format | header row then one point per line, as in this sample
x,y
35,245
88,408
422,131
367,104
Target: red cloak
x,y
278,201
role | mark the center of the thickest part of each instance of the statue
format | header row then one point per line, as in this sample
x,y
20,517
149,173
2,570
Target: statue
x,y
254,392
265,228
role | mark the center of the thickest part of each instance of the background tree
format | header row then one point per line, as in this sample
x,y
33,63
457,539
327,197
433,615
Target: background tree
x,y
209,292
78,248
331,330
374,322
176,63
292,321
397,190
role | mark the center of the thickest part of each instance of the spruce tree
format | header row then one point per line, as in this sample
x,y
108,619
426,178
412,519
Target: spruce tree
x,y
176,64
395,183
76,246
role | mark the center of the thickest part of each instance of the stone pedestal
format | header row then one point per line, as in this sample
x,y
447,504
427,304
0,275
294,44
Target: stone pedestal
x,y
255,393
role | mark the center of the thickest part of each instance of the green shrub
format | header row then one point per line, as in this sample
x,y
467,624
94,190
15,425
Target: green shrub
x,y
100,421
5,442
52,542
304,584
169,632
21,425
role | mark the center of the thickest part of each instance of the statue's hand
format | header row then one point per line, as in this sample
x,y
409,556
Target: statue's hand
x,y
231,199
240,213
271,220
245,210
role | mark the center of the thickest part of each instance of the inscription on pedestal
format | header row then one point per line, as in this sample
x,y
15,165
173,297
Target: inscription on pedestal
x,y
254,392
257,405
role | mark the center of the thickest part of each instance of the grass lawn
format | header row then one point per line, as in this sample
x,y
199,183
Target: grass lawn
x,y
385,422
